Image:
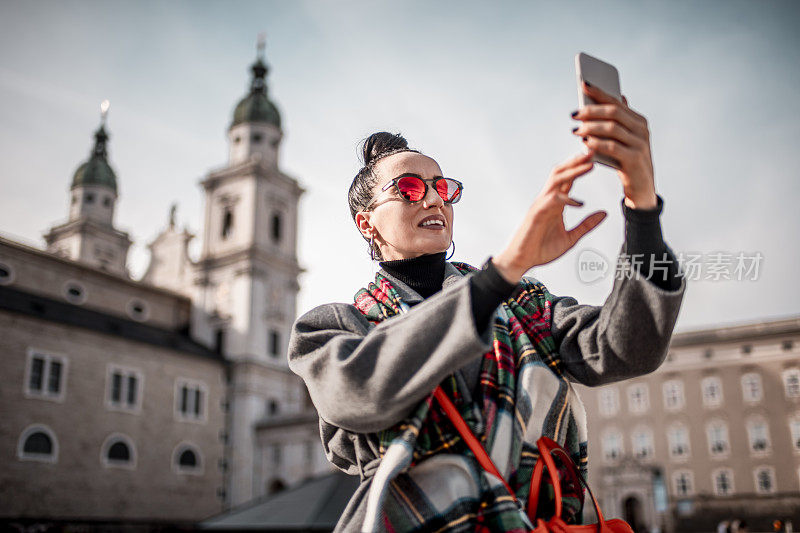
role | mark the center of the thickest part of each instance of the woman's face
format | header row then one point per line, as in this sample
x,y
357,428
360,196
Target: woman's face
x,y
395,223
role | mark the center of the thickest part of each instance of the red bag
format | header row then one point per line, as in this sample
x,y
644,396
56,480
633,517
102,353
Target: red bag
x,y
547,449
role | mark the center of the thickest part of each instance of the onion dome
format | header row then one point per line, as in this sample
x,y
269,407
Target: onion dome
x,y
96,171
256,106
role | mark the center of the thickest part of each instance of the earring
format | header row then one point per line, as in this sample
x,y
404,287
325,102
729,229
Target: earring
x,y
454,250
372,247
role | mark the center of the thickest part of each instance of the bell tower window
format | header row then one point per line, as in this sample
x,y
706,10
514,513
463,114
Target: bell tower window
x,y
276,227
227,222
256,138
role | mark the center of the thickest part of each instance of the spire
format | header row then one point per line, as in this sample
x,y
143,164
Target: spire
x,y
256,106
96,171
100,136
259,68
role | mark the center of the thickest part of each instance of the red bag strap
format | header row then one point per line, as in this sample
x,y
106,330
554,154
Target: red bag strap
x,y
533,493
548,446
466,434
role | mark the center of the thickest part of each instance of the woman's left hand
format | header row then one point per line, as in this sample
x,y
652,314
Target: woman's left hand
x,y
612,128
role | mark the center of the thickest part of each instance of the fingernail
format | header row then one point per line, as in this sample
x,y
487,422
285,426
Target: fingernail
x,y
574,113
587,83
575,129
585,139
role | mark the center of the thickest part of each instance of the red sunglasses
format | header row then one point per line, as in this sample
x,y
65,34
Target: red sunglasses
x,y
412,188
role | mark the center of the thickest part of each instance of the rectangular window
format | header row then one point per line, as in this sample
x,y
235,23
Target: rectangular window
x,y
683,483
758,434
723,482
190,399
751,388
132,384
712,391
673,395
642,440
765,479
638,398
54,379
46,375
37,374
116,388
794,429
123,388
718,439
609,401
274,343
612,446
791,382
678,438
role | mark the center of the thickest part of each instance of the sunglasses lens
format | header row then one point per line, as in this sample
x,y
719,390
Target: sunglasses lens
x,y
412,188
449,190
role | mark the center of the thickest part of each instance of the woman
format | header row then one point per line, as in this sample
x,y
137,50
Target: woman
x,y
502,347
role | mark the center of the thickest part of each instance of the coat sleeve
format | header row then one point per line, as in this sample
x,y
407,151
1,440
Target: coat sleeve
x,y
366,378
627,336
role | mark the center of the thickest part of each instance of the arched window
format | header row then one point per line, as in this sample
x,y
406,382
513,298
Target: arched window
x,y
38,443
118,452
276,227
187,459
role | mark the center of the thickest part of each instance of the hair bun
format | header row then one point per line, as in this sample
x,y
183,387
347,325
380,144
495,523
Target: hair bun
x,y
379,143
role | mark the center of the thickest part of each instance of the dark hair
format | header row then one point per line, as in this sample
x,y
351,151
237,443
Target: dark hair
x,y
375,147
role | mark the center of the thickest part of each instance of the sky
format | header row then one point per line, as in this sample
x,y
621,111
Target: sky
x,y
484,88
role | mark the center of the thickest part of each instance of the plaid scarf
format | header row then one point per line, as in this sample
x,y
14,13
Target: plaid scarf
x,y
522,395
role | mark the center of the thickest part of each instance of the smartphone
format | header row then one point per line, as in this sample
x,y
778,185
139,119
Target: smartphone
x,y
606,77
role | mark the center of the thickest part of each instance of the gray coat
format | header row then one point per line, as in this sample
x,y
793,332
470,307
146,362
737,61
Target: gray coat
x,y
363,378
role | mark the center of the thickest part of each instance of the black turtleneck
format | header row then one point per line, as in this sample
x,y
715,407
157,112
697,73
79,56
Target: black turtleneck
x,y
424,274
488,288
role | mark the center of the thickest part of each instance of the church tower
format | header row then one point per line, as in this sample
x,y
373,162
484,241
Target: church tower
x,y
89,235
246,278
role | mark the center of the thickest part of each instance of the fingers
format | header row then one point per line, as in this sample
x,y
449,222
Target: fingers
x,y
624,154
563,178
610,130
586,225
567,200
572,161
610,108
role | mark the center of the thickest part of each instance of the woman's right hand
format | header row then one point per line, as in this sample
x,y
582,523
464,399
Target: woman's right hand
x,y
542,237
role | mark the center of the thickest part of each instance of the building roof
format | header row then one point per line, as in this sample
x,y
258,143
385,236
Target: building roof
x,y
739,332
256,106
314,505
96,171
